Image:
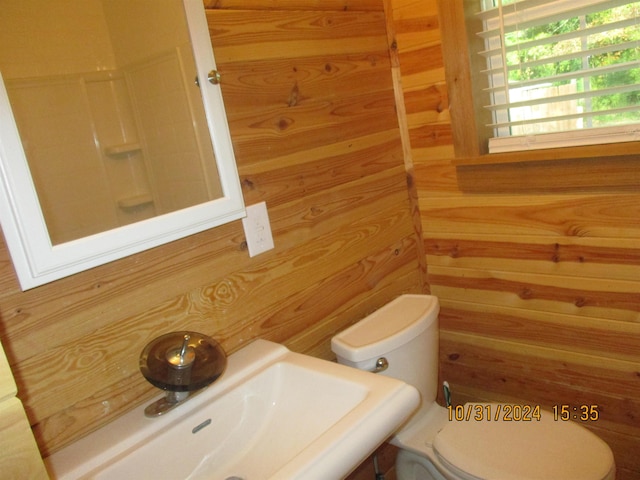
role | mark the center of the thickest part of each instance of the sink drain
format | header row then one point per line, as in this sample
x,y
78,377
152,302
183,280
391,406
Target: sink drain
x,y
234,478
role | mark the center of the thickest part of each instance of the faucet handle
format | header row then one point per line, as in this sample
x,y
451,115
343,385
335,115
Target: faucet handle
x,y
185,344
183,356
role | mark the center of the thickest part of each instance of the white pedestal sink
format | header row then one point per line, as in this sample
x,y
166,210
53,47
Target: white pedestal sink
x,y
273,414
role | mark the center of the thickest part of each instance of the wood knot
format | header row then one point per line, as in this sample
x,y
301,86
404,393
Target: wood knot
x,y
454,356
526,293
284,123
248,184
293,96
223,293
409,180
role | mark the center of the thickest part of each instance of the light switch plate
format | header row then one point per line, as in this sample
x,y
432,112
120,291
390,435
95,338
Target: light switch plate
x,y
257,229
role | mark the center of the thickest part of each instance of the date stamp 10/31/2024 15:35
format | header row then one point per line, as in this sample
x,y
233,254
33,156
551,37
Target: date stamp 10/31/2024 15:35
x,y
520,413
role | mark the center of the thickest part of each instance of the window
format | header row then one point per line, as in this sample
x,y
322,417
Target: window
x,y
561,72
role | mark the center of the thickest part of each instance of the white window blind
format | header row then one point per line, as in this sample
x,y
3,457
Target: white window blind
x,y
562,72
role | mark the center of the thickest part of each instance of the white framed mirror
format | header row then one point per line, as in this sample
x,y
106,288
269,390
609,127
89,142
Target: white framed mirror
x,y
154,192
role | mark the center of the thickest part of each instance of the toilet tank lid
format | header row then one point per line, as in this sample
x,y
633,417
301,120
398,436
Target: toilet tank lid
x,y
386,329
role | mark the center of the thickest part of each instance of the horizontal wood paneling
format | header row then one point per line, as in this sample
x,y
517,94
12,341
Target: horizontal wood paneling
x,y
605,215
274,35
616,299
355,5
597,174
298,81
521,371
537,265
309,93
572,333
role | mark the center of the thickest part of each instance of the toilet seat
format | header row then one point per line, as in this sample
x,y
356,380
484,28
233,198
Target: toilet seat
x,y
522,450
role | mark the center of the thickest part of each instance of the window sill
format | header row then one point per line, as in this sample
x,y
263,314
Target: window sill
x,y
590,168
605,151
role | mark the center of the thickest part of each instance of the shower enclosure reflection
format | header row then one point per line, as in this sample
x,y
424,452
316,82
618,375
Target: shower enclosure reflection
x,y
111,120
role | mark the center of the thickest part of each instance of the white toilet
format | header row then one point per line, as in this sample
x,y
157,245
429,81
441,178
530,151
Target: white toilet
x,y
438,443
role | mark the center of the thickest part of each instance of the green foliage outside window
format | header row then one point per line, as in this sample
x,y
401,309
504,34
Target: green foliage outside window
x,y
613,47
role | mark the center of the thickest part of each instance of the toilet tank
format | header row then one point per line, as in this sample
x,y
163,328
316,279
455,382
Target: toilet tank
x,y
405,332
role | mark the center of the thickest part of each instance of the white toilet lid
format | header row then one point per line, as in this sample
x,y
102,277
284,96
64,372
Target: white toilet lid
x,y
523,450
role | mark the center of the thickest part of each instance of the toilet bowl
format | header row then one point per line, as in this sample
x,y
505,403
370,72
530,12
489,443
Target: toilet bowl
x,y
467,442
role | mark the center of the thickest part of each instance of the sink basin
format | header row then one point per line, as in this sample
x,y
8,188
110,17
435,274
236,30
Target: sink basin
x,y
274,414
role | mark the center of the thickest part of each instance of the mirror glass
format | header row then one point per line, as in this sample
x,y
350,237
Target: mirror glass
x,y
110,121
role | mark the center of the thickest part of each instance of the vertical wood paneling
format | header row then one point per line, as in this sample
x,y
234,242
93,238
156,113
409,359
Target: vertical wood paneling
x,y
20,457
310,97
536,265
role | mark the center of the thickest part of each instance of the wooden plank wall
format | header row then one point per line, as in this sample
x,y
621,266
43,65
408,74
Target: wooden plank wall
x,y
310,98
20,456
540,290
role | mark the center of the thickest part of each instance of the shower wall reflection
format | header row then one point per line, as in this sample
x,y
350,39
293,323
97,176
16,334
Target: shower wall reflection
x,y
108,112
